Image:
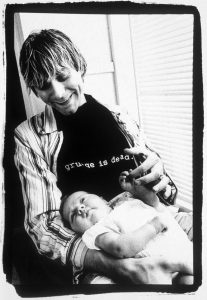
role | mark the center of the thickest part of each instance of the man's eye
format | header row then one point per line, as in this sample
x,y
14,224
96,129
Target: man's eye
x,y
45,86
62,76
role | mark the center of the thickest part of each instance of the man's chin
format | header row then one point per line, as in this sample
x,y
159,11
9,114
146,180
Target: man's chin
x,y
67,111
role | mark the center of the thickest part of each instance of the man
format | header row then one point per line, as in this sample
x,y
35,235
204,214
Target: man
x,y
77,143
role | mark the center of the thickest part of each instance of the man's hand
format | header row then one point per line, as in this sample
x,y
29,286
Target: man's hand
x,y
145,270
151,170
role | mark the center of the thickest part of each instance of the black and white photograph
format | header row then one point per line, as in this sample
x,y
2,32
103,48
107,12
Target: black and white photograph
x,y
102,151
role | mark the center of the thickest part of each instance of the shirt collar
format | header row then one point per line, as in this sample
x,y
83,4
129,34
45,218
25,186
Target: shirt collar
x,y
49,124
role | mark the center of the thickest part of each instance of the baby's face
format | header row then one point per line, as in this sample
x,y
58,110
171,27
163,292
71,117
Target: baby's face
x,y
82,210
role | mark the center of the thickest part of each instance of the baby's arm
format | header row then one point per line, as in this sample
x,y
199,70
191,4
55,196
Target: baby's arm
x,y
126,245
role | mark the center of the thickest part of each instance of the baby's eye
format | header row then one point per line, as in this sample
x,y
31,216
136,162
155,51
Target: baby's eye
x,y
82,200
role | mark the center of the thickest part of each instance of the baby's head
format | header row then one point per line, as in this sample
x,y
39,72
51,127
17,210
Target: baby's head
x,y
82,210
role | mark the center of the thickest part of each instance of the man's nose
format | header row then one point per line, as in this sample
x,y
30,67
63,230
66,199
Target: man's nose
x,y
58,89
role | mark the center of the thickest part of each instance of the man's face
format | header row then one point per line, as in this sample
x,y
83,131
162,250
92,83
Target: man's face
x,y
82,210
64,91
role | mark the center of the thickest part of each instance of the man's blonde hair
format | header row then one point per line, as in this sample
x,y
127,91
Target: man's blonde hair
x,y
45,53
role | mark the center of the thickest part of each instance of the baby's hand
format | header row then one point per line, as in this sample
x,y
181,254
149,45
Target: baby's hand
x,y
141,192
160,223
126,182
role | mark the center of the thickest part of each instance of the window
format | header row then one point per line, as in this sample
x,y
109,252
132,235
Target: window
x,y
163,59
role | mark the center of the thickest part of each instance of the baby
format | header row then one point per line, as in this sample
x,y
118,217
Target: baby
x,y
131,229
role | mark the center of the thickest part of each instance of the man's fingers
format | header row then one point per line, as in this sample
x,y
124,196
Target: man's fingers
x,y
137,150
148,164
167,191
161,185
149,171
146,179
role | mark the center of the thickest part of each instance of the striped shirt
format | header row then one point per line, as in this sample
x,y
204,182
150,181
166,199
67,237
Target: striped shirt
x,y
38,143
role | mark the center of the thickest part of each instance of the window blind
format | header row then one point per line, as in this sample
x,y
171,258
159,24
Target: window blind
x,y
163,59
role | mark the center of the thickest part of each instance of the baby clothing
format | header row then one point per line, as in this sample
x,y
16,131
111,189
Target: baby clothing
x,y
131,215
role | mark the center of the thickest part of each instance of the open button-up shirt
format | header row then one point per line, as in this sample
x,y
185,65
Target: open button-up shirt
x,y
37,146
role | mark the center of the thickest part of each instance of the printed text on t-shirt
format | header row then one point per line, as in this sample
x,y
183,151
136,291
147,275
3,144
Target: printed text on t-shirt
x,y
100,163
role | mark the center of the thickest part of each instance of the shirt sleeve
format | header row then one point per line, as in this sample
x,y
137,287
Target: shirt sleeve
x,y
42,199
91,234
103,226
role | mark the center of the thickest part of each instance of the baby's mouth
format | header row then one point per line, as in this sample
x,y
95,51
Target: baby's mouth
x,y
87,211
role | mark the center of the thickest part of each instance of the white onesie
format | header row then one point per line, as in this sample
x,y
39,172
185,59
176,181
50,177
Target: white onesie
x,y
131,215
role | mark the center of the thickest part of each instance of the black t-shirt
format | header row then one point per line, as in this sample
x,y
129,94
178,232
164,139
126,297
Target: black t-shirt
x,y
91,157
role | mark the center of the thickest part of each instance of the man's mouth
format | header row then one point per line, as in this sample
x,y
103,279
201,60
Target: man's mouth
x,y
65,101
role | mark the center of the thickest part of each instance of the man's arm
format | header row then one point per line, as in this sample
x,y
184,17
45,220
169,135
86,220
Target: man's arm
x,y
44,225
42,198
125,245
129,270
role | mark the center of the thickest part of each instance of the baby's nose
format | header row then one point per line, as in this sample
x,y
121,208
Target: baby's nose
x,y
81,209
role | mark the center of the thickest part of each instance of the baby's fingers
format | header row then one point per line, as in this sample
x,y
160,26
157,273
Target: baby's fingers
x,y
124,173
